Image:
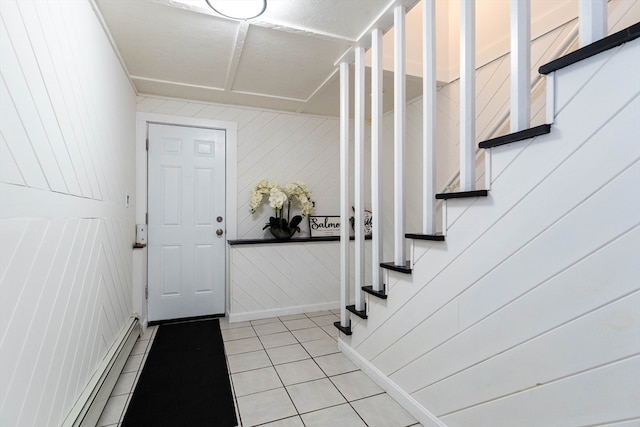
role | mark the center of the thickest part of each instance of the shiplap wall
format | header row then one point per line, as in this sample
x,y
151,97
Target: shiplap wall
x,y
66,164
528,314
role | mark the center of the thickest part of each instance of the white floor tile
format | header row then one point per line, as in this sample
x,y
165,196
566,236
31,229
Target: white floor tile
x,y
133,363
242,346
225,324
299,324
287,422
286,354
319,313
113,411
335,364
125,383
270,328
314,395
293,317
382,411
310,334
248,361
265,321
298,372
342,415
255,381
356,385
278,340
264,407
237,333
325,320
331,330
321,347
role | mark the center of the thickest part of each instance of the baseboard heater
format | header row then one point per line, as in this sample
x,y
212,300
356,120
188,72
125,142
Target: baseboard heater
x,y
89,406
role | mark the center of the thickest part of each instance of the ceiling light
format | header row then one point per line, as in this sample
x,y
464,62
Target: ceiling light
x,y
238,9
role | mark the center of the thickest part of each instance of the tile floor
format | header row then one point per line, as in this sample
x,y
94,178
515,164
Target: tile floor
x,y
285,372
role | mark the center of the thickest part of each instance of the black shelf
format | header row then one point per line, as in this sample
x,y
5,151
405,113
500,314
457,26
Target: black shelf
x,y
433,237
346,331
294,240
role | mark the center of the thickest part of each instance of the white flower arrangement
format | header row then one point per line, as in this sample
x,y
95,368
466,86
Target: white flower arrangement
x,y
278,197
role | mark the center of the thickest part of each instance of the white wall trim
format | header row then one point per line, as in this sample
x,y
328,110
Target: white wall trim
x,y
277,312
419,412
231,193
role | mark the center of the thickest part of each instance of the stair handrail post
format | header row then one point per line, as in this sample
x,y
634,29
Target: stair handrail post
x,y
376,139
467,96
429,110
359,176
520,56
345,320
399,125
592,21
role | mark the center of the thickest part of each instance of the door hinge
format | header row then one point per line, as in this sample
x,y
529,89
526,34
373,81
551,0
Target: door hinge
x,y
146,218
146,292
147,144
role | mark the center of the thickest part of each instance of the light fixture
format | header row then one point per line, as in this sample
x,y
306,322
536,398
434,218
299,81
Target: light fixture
x,y
238,9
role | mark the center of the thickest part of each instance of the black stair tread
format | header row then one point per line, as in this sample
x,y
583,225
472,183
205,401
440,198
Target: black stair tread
x,y
609,42
361,314
406,268
417,236
463,194
516,136
371,291
346,331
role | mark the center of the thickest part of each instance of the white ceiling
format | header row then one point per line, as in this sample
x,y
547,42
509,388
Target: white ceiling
x,y
284,59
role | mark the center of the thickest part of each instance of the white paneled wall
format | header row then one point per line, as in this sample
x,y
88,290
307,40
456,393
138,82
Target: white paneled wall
x,y
66,167
278,146
528,314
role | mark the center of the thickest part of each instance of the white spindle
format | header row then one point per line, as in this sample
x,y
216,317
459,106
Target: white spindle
x,y
520,65
593,21
399,124
550,80
345,320
359,176
376,136
429,115
467,95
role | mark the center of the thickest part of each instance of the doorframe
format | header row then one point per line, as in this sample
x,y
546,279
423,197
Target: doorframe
x,y
231,167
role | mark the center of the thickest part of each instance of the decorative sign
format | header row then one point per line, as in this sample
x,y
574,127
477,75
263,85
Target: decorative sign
x,y
321,226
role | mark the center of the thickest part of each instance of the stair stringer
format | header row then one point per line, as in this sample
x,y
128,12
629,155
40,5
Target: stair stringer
x,y
472,334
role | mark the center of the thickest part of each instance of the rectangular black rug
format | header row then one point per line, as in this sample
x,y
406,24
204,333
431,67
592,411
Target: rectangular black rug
x,y
184,381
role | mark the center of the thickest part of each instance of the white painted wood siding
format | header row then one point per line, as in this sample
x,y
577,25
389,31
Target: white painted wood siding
x,y
528,314
66,165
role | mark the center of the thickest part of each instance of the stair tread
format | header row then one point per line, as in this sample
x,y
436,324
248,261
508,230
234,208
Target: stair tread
x,y
371,291
516,136
344,330
361,314
462,194
606,43
406,268
418,236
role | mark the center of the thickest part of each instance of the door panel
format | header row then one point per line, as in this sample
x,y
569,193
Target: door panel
x,y
186,195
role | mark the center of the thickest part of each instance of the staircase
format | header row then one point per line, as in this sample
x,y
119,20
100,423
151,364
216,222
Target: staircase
x,y
462,348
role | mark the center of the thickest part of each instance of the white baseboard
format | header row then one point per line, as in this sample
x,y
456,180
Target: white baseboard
x,y
283,311
419,412
90,404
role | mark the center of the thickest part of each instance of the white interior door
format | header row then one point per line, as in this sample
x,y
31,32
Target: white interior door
x,y
186,240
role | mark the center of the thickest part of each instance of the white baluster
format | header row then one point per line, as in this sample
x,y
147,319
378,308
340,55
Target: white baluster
x,y
429,115
345,320
467,96
399,125
376,137
593,21
520,65
359,177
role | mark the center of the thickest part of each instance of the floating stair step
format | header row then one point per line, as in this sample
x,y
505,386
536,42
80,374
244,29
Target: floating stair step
x,y
609,42
406,268
361,314
434,237
371,291
516,136
462,194
346,331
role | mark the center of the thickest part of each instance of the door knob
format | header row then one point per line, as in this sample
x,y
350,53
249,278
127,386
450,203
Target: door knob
x,y
219,231
219,219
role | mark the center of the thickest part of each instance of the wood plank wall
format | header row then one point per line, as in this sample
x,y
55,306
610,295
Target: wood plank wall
x,y
66,236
